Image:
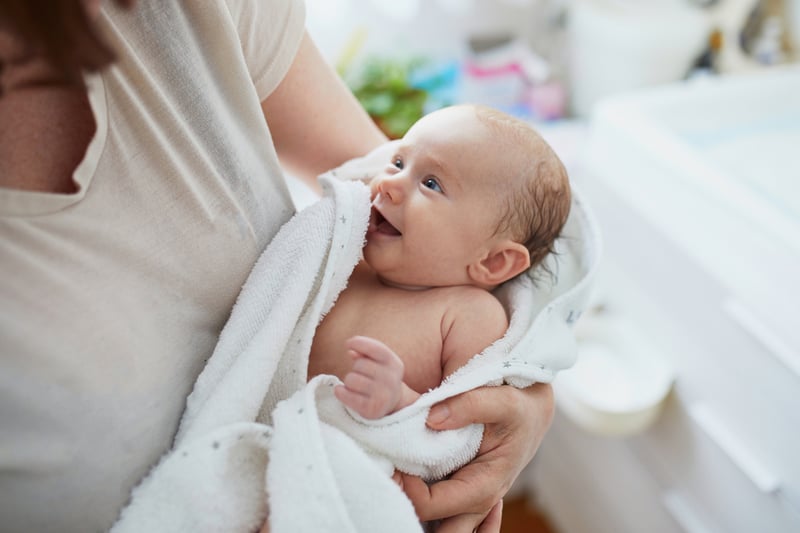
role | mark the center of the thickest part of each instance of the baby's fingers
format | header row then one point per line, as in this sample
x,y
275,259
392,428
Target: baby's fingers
x,y
373,349
368,406
363,384
353,400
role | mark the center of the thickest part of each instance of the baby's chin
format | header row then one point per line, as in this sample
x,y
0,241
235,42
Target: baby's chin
x,y
390,280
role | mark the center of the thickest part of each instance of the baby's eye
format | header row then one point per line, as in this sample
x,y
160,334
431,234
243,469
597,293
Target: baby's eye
x,y
432,184
398,163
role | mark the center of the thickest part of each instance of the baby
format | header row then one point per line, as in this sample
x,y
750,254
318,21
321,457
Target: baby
x,y
471,198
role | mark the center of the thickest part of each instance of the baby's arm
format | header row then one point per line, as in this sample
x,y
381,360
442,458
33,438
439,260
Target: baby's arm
x,y
473,322
374,386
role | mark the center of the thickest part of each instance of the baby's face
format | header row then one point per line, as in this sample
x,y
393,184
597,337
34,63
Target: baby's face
x,y
436,204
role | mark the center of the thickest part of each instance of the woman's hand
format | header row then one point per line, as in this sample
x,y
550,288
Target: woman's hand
x,y
515,421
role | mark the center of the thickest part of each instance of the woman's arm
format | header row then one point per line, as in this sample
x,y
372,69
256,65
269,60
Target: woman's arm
x,y
316,122
516,421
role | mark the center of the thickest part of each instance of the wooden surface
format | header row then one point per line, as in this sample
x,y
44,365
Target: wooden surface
x,y
519,516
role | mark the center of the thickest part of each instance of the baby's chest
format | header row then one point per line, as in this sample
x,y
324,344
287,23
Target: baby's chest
x,y
416,337
411,329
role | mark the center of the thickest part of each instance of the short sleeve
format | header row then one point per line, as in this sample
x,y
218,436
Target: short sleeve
x,y
270,32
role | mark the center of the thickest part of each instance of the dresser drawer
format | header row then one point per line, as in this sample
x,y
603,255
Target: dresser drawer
x,y
729,489
591,484
693,320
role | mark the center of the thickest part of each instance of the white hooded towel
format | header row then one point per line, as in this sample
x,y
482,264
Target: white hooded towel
x,y
253,425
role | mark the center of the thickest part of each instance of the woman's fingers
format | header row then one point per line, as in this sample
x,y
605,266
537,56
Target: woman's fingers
x,y
515,421
489,405
492,522
463,493
474,523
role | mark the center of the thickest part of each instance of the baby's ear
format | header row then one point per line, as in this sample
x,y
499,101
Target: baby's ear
x,y
503,262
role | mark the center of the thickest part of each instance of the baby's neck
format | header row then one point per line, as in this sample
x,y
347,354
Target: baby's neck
x,y
389,283
368,274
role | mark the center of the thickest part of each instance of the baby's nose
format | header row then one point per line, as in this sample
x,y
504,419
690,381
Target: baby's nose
x,y
391,187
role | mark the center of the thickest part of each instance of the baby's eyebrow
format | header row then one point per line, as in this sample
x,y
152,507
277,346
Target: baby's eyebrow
x,y
400,151
443,171
423,156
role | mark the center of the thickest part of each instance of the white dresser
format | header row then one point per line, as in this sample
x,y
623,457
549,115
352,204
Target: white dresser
x,y
702,255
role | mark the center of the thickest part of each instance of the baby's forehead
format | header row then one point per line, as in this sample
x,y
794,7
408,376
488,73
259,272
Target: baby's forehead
x,y
450,119
452,141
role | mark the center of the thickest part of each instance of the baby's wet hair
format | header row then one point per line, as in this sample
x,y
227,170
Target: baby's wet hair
x,y
538,200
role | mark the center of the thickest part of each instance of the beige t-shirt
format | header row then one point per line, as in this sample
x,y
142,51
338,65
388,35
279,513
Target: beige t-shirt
x,y
111,299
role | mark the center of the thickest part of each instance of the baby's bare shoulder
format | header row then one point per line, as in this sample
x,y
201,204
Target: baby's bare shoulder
x,y
474,319
472,303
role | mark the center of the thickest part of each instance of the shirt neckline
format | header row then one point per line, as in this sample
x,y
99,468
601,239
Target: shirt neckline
x,y
21,203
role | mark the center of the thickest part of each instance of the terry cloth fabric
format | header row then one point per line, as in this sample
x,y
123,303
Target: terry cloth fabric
x,y
252,420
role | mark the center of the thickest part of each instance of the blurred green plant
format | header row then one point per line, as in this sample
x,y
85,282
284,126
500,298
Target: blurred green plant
x,y
384,89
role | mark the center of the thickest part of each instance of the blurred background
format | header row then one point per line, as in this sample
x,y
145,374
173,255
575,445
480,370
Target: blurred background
x,y
540,59
679,123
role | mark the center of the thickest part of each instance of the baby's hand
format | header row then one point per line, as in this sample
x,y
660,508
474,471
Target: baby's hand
x,y
373,387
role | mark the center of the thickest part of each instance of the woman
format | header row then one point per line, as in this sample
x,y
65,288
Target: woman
x,y
134,198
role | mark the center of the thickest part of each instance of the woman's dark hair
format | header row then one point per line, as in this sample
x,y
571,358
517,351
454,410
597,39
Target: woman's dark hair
x,y
61,32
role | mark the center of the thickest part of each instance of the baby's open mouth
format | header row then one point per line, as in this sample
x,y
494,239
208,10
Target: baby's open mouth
x,y
379,224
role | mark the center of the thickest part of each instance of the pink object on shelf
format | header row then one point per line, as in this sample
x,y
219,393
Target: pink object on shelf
x,y
478,71
548,100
